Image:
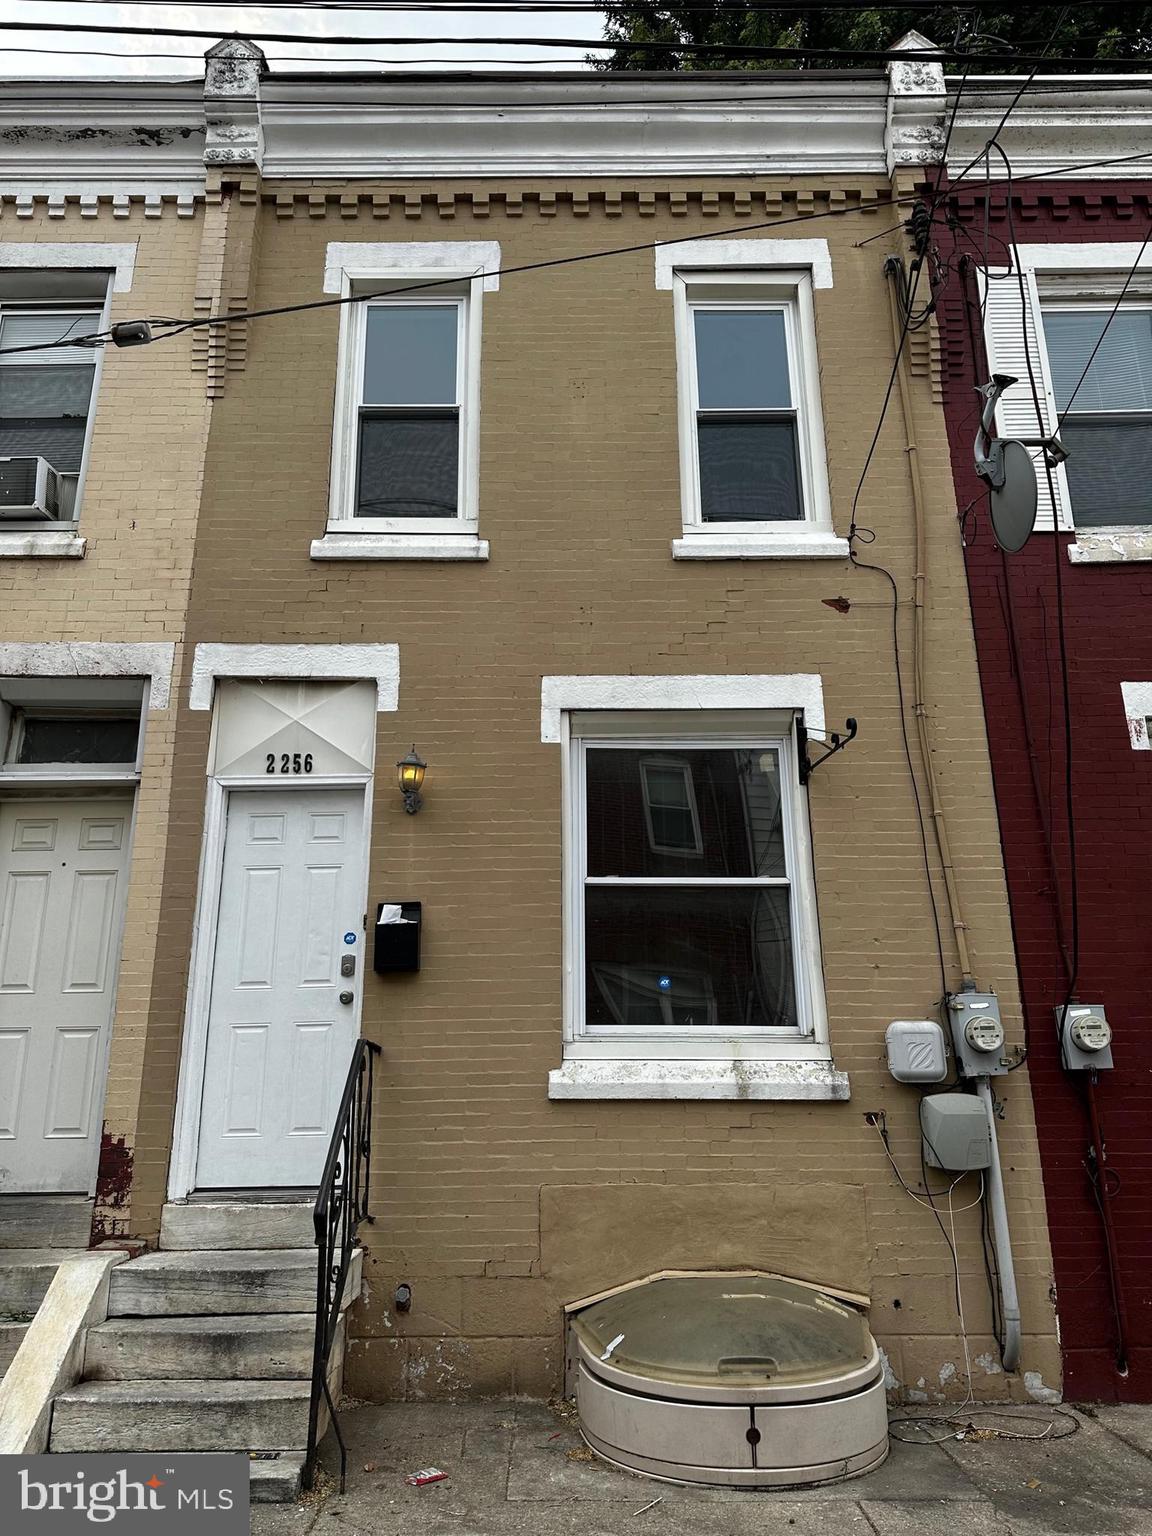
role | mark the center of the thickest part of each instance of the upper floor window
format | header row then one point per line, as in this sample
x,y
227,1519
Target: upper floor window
x,y
1108,426
405,445
753,471
410,410
46,402
1077,319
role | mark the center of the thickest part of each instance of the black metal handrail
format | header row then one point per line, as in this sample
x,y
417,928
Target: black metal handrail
x,y
341,1205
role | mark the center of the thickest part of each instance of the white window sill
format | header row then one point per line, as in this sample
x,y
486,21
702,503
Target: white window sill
x,y
814,544
399,546
698,1080
1110,546
34,544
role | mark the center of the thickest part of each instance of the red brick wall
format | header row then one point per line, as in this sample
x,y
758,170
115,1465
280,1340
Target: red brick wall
x,y
1108,618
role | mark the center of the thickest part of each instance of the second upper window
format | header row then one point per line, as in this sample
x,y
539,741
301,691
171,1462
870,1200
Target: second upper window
x,y
752,447
403,453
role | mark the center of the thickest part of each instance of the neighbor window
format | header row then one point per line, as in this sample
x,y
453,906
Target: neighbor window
x,y
752,452
1108,427
405,451
690,889
45,405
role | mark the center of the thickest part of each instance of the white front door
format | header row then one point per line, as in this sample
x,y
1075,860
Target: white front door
x,y
62,879
282,1018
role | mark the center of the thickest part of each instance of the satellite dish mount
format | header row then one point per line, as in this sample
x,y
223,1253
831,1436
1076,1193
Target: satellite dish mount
x,y
1008,469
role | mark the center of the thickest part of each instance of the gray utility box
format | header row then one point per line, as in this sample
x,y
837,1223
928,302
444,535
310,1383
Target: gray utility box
x,y
973,1019
956,1131
1085,1037
916,1051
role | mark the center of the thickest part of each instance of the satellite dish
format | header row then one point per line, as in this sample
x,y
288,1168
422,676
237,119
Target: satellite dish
x,y
1012,504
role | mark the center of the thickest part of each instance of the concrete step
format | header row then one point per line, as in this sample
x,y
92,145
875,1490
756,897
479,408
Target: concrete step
x,y
175,1284
273,1347
236,1224
181,1416
45,1221
11,1336
276,1479
25,1274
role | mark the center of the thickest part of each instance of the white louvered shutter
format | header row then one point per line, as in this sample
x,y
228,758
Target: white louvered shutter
x,y
1008,329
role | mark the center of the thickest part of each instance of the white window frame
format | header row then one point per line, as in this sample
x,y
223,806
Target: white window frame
x,y
346,438
787,291
101,311
675,765
1059,276
693,730
353,268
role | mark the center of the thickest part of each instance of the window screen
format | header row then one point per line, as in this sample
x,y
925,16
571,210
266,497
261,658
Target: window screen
x,y
409,429
687,891
746,421
45,397
1108,427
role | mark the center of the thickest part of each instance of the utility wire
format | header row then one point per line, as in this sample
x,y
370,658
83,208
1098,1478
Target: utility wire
x,y
175,326
751,50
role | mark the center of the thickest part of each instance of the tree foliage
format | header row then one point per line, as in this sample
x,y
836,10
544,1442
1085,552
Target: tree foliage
x,y
1097,31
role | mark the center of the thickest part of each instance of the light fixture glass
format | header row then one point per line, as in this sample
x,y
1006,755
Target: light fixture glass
x,y
410,772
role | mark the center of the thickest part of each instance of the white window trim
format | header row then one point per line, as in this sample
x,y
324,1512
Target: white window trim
x,y
350,663
788,290
61,542
69,255
731,1067
802,692
1103,545
94,658
350,266
1138,711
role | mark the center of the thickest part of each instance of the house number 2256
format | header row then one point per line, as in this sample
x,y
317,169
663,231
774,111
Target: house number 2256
x,y
289,762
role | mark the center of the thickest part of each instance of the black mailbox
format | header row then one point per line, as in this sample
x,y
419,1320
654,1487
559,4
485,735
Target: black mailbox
x,y
397,946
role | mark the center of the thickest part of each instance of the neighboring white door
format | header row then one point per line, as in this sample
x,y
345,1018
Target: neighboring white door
x,y
282,1019
62,879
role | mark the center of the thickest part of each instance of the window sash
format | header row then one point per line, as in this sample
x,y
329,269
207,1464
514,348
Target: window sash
x,y
784,293
84,319
581,881
352,409
1080,485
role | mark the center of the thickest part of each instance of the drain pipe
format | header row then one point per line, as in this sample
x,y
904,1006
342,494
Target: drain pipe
x,y
1009,1299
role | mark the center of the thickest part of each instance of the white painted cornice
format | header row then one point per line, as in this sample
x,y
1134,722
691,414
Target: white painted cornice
x,y
1059,123
630,127
154,137
102,137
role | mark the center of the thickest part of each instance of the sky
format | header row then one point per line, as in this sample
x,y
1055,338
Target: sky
x,y
52,54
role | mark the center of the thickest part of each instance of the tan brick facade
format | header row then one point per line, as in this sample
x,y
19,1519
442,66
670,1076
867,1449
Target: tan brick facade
x,y
495,1204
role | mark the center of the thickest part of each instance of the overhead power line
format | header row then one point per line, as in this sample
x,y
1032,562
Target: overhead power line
x,y
174,327
859,55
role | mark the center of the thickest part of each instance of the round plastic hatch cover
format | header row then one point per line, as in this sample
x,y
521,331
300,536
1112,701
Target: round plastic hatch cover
x,y
726,1331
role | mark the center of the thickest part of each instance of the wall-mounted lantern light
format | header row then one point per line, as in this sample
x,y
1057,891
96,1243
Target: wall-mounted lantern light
x,y
410,773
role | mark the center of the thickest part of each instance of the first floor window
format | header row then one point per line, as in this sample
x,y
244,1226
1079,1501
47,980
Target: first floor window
x,y
688,889
1106,410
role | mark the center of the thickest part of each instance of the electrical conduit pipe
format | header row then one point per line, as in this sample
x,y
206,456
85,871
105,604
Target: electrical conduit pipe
x,y
1009,1299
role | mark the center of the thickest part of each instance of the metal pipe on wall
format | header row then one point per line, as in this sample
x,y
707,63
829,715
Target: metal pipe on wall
x,y
997,1206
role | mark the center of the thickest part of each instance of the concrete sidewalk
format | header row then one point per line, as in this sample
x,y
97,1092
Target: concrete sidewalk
x,y
519,1469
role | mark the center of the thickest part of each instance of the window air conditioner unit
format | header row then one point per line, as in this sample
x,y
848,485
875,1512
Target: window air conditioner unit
x,y
29,488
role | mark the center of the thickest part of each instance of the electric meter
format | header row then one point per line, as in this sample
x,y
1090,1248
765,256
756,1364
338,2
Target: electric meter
x,y
1091,1033
985,1035
1085,1037
977,1034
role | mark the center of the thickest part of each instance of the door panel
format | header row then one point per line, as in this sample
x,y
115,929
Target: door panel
x,y
62,880
279,1038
